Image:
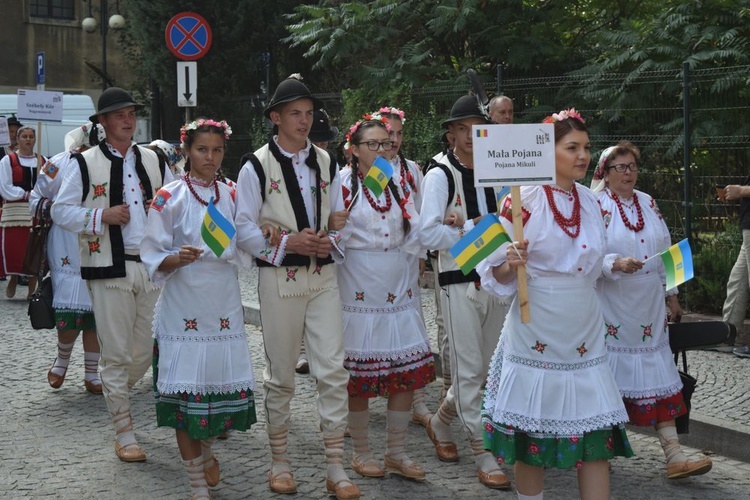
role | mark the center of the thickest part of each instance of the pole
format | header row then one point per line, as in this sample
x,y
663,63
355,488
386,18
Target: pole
x,y
498,79
687,151
103,13
523,289
155,110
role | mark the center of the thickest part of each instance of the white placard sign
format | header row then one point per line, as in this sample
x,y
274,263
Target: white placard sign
x,y
4,132
40,105
514,155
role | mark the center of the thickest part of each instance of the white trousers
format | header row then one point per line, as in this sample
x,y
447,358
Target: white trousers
x,y
738,289
317,318
123,309
472,326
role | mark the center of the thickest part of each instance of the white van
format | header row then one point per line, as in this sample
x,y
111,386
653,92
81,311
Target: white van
x,y
76,112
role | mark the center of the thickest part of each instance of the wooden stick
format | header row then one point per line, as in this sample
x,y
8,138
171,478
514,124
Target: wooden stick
x,y
523,290
351,203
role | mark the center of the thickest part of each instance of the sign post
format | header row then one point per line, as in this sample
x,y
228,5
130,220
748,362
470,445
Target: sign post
x,y
188,36
515,155
40,70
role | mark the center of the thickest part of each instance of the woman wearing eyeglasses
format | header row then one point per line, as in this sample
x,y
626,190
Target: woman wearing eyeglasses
x,y
633,293
387,351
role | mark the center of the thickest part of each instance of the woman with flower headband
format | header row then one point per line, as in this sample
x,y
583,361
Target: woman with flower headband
x,y
551,399
633,294
409,176
387,351
203,375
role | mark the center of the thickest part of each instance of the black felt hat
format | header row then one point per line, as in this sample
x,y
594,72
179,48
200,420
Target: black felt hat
x,y
112,99
290,90
14,121
465,107
321,130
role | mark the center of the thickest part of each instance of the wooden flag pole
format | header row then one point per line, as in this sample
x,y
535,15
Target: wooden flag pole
x,y
523,290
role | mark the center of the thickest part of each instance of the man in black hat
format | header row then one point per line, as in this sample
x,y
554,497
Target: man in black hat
x,y
105,201
471,316
294,185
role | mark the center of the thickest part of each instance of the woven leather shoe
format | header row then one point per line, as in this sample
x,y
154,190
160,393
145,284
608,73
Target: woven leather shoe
x,y
368,468
687,468
343,490
496,479
130,453
282,482
409,469
445,450
56,381
92,387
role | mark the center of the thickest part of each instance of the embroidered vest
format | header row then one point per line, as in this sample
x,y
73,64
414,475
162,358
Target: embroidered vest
x,y
24,177
103,255
284,207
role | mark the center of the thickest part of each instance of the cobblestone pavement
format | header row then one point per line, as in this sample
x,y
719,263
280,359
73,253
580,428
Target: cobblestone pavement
x,y
58,443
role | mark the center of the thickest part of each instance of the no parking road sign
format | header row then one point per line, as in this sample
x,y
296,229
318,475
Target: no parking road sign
x,y
188,36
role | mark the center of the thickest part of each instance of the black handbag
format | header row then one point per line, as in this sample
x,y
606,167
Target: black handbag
x,y
35,258
41,312
688,388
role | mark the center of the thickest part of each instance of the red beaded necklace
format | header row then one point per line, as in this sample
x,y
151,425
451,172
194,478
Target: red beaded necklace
x,y
624,217
407,180
374,204
574,221
217,193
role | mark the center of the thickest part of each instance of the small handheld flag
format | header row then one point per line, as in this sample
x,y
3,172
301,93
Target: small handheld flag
x,y
477,244
378,176
678,262
217,231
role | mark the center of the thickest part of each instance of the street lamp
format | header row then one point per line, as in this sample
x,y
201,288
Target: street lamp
x,y
89,26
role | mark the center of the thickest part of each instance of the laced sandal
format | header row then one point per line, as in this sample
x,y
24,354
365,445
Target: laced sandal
x,y
405,468
93,386
55,380
446,451
367,468
213,473
495,479
343,490
282,482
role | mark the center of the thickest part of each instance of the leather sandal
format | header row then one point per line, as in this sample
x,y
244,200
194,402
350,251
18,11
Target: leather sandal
x,y
405,468
94,387
367,468
342,490
55,380
282,482
495,479
420,418
130,453
687,468
446,451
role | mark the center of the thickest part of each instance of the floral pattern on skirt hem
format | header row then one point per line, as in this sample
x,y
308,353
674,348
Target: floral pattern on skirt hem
x,y
398,376
509,445
71,319
203,415
649,411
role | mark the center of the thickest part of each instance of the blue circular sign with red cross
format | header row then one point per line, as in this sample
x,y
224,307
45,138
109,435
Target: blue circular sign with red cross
x,y
188,36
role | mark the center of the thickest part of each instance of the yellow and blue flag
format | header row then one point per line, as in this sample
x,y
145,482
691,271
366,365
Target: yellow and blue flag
x,y
378,176
217,231
678,262
477,244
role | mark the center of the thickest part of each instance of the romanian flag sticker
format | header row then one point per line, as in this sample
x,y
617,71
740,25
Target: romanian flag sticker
x,y
217,231
477,244
378,176
481,132
678,263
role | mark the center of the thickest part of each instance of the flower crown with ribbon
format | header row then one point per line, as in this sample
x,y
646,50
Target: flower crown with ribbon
x,y
369,117
386,110
564,115
203,122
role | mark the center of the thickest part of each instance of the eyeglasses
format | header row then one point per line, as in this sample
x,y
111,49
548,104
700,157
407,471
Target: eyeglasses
x,y
622,167
375,145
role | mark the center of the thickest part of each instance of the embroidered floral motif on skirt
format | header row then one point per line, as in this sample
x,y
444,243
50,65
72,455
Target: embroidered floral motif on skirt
x,y
375,377
203,415
545,450
70,319
649,412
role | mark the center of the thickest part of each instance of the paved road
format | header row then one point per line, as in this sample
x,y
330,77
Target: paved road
x,y
58,443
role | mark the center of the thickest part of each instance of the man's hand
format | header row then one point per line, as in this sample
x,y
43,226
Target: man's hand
x,y
306,242
324,245
271,233
116,216
454,219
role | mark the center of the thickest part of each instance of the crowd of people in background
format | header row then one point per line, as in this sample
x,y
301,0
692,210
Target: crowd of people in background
x,y
147,242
